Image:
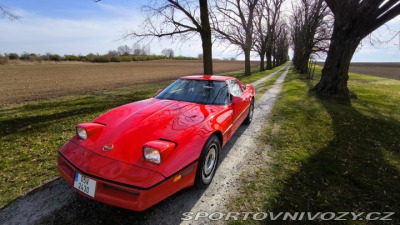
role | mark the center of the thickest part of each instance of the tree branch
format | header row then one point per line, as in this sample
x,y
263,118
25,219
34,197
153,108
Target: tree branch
x,y
6,12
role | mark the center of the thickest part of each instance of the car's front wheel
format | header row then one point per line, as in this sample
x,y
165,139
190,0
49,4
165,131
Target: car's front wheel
x,y
208,162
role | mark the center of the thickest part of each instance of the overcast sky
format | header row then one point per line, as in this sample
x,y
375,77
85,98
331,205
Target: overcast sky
x,y
83,26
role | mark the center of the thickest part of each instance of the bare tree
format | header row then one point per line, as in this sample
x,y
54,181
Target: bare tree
x,y
168,52
267,20
354,20
146,50
136,49
181,19
124,50
233,22
261,32
281,45
274,12
8,13
311,31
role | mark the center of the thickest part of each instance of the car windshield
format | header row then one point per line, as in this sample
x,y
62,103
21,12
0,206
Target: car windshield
x,y
207,92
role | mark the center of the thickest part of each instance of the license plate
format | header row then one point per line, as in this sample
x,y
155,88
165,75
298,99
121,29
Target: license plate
x,y
84,184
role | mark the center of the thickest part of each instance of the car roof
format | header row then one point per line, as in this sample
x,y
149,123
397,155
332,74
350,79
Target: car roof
x,y
209,77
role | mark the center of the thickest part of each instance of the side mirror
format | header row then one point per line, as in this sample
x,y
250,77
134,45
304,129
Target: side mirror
x,y
236,99
159,91
244,86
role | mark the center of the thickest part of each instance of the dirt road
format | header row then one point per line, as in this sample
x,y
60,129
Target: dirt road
x,y
57,203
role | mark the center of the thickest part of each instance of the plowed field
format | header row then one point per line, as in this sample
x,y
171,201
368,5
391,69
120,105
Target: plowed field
x,y
26,82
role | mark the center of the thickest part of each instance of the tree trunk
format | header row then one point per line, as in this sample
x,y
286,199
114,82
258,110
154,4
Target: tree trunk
x,y
335,72
247,66
268,55
207,54
206,38
302,63
262,66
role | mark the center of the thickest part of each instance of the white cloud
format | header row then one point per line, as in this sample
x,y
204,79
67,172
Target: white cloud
x,y
98,33
39,34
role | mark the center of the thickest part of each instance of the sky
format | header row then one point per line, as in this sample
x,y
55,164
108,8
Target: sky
x,y
84,26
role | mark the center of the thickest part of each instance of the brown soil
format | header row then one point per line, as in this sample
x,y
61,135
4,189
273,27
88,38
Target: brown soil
x,y
21,82
386,70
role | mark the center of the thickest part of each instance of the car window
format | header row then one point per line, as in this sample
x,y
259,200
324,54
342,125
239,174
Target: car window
x,y
207,92
234,88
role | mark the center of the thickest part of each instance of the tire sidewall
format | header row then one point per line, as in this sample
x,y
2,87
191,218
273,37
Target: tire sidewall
x,y
249,117
199,183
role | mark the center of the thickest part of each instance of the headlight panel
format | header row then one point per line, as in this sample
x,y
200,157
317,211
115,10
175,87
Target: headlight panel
x,y
81,132
151,155
89,130
157,151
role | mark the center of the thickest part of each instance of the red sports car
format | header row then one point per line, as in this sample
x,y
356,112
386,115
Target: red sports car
x,y
138,154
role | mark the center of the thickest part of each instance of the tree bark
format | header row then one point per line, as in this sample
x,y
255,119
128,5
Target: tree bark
x,y
335,72
247,65
302,62
268,55
262,63
359,19
206,38
207,54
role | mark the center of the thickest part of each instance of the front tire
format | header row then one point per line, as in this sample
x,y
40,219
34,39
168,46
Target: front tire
x,y
208,162
249,117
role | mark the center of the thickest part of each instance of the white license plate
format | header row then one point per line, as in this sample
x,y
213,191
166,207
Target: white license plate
x,y
84,184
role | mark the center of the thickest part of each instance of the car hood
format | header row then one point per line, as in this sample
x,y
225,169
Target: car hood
x,y
129,127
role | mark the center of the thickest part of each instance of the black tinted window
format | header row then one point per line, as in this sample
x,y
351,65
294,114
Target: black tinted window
x,y
199,91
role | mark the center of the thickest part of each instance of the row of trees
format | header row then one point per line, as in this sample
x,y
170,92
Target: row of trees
x,y
249,25
109,57
311,30
124,53
334,27
337,28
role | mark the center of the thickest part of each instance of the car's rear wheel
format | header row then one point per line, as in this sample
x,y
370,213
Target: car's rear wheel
x,y
208,162
249,117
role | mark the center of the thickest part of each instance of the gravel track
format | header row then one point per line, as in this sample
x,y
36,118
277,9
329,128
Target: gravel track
x,y
224,184
57,203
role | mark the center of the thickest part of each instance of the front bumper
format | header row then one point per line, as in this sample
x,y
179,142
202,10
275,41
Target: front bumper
x,y
118,183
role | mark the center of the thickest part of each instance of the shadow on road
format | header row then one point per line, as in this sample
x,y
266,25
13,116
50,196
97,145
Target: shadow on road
x,y
85,211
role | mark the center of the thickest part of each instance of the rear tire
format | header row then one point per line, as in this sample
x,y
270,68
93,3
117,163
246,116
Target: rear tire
x,y
249,117
208,162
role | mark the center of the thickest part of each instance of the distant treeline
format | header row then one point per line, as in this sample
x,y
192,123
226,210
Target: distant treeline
x,y
95,58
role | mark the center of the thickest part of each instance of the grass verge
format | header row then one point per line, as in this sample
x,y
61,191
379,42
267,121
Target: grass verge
x,y
328,156
31,133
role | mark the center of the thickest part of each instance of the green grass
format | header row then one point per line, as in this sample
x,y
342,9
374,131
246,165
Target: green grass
x,y
327,155
264,86
31,133
255,74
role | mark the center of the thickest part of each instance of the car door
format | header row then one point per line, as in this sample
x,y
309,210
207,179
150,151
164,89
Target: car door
x,y
239,107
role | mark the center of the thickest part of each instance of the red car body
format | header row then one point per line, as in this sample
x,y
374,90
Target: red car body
x,y
112,155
